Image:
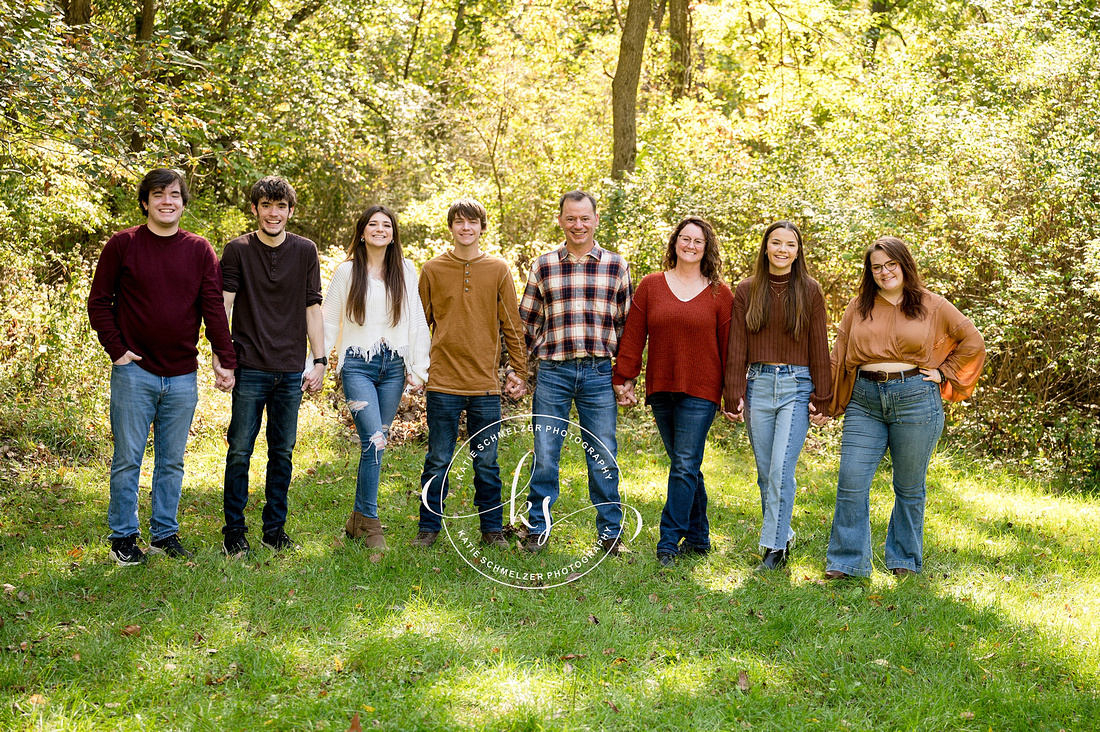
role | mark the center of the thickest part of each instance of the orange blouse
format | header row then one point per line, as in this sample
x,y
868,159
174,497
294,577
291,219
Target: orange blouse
x,y
944,339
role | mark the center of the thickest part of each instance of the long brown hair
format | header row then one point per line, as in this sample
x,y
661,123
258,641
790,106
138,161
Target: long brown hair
x,y
796,299
912,289
711,264
393,270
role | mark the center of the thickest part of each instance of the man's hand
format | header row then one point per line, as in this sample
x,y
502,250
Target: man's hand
x,y
624,394
127,358
514,387
223,378
313,379
739,415
413,386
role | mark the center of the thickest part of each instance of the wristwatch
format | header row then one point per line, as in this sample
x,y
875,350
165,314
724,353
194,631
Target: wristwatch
x,y
323,360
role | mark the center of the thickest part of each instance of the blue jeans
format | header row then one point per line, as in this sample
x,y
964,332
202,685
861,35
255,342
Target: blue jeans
x,y
482,420
373,393
683,422
560,384
777,417
140,399
906,416
281,394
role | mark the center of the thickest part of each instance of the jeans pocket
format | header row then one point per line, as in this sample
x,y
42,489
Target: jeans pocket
x,y
915,406
603,368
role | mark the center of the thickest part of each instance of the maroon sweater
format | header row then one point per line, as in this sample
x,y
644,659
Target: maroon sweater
x,y
772,344
149,295
687,340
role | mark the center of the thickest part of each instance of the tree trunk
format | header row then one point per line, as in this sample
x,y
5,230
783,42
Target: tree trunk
x,y
78,12
679,41
624,87
145,24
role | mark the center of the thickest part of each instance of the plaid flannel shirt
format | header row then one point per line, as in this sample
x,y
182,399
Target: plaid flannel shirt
x,y
572,308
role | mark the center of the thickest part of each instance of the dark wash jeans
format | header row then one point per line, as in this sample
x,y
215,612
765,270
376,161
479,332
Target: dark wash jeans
x,y
683,422
482,420
281,394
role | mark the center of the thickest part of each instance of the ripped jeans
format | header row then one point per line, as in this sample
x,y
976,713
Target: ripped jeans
x,y
373,392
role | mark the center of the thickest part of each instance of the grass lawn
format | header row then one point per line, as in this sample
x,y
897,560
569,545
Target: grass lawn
x,y
1001,632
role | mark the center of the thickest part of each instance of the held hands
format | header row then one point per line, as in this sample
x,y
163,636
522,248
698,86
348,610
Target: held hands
x,y
816,419
739,415
933,375
413,387
313,379
624,394
514,387
223,378
127,358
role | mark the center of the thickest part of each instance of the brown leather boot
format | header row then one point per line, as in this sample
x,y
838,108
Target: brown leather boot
x,y
372,534
355,527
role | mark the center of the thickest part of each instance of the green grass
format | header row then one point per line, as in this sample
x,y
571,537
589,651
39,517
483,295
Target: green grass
x,y
1000,632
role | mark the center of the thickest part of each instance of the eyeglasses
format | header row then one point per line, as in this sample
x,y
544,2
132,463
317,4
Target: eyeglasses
x,y
685,240
888,266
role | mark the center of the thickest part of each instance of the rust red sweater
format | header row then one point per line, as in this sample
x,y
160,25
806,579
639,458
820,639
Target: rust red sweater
x,y
149,295
687,340
772,344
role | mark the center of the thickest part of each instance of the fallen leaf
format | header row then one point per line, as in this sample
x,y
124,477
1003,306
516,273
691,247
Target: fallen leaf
x,y
338,542
131,630
966,715
567,668
355,726
8,589
593,619
573,576
39,699
337,664
197,639
653,599
322,693
76,552
23,597
743,682
375,558
618,661
290,593
76,657
667,608
570,656
612,706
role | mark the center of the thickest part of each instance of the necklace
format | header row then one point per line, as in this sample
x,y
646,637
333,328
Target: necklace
x,y
699,278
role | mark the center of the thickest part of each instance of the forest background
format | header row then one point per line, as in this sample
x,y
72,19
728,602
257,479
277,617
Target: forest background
x,y
969,128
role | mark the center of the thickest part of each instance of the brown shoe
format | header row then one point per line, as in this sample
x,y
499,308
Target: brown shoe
x,y
495,538
902,572
615,546
832,574
372,536
355,527
536,543
425,539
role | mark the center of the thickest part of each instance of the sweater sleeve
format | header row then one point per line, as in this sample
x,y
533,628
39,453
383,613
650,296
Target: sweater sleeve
x,y
736,353
101,300
212,304
623,298
420,338
510,323
725,316
628,363
844,379
963,363
336,296
820,369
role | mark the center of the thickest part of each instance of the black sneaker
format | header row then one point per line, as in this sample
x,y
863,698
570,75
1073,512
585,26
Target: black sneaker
x,y
277,540
495,538
170,545
235,545
125,551
666,559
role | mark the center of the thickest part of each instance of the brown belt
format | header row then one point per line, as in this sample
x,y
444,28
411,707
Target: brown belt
x,y
887,375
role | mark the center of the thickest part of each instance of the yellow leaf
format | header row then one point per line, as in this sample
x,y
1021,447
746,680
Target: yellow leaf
x,y
284,107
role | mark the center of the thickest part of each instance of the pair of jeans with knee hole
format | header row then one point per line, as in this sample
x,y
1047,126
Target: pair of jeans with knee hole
x,y
280,394
683,421
777,418
373,391
139,400
906,417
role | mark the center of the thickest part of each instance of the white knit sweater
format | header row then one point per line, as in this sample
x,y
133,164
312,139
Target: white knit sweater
x,y
410,338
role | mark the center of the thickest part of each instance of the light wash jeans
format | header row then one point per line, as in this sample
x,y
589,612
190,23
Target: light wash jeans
x,y
586,382
777,417
373,393
140,399
683,422
906,416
